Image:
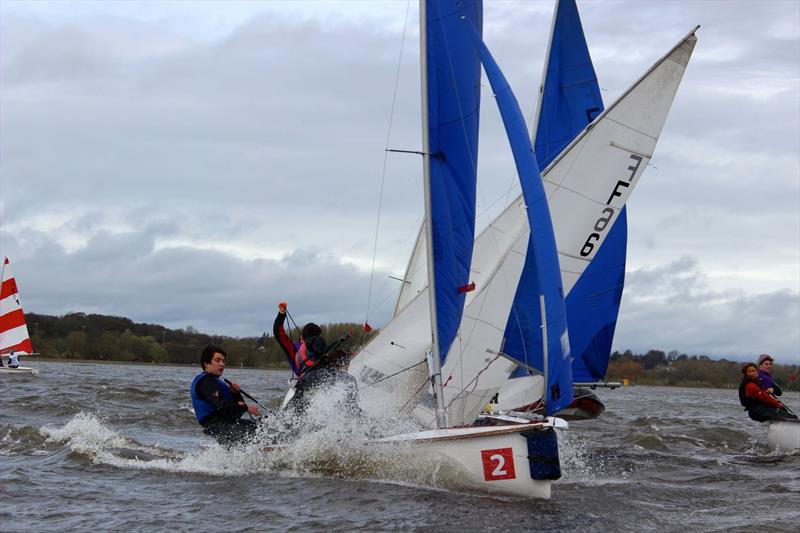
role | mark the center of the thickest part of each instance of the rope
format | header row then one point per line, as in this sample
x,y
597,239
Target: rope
x,y
424,383
291,319
393,375
473,381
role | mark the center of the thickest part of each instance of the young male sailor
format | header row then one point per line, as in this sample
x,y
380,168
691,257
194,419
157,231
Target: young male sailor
x,y
760,406
219,405
13,360
315,363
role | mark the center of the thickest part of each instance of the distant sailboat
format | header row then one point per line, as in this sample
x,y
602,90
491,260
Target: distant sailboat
x,y
14,337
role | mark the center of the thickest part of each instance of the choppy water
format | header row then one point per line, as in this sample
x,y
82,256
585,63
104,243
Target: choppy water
x,y
116,447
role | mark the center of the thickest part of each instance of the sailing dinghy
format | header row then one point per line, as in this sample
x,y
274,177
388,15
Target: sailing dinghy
x,y
585,187
13,329
454,307
455,325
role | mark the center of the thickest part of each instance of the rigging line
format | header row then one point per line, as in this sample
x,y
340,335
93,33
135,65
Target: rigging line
x,y
414,394
299,331
385,160
393,375
473,382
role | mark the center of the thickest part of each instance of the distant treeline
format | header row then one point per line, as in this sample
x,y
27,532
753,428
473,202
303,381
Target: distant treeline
x,y
678,369
113,338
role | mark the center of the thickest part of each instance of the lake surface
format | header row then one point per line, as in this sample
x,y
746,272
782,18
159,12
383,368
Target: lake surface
x,y
116,447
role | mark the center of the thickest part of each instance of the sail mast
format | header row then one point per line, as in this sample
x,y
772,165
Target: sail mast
x,y
434,359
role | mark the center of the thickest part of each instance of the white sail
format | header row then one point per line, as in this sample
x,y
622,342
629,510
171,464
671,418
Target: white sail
x,y
589,183
471,374
603,163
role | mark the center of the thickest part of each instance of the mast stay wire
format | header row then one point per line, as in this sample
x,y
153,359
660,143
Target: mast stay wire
x,y
383,173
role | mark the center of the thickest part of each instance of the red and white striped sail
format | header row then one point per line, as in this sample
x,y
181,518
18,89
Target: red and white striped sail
x,y
13,331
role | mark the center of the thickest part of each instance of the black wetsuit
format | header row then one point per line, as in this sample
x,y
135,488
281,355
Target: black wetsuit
x,y
225,423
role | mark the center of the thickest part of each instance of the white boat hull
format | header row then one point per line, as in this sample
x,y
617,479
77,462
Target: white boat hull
x,y
493,459
18,370
490,459
784,435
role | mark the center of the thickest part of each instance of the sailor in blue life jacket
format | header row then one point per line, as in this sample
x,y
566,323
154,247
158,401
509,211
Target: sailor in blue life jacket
x,y
315,363
218,405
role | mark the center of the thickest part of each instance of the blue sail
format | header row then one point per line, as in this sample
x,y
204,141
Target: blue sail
x,y
541,270
570,101
453,74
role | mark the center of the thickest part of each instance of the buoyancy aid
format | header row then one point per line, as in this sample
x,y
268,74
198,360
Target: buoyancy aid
x,y
204,408
747,402
303,360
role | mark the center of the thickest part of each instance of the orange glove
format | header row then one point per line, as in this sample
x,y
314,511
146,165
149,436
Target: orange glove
x,y
282,307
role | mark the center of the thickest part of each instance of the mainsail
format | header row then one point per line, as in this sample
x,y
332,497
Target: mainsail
x,y
13,330
451,75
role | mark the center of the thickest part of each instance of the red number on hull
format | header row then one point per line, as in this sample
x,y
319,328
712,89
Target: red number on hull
x,y
498,464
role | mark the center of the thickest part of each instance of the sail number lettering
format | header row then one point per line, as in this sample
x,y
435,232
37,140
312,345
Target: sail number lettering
x,y
608,212
498,464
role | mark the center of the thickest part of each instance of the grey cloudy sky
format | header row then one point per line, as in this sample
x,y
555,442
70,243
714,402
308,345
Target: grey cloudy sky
x,y
194,163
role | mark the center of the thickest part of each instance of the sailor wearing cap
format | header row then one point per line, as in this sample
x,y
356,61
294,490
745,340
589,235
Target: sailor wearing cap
x,y
764,368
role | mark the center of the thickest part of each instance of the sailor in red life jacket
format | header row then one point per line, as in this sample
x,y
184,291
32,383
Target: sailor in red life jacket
x,y
218,405
315,364
760,405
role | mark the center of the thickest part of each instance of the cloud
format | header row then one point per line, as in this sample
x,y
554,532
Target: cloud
x,y
673,307
124,274
194,165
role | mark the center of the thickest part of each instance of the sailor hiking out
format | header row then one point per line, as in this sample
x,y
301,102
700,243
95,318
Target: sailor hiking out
x,y
218,405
